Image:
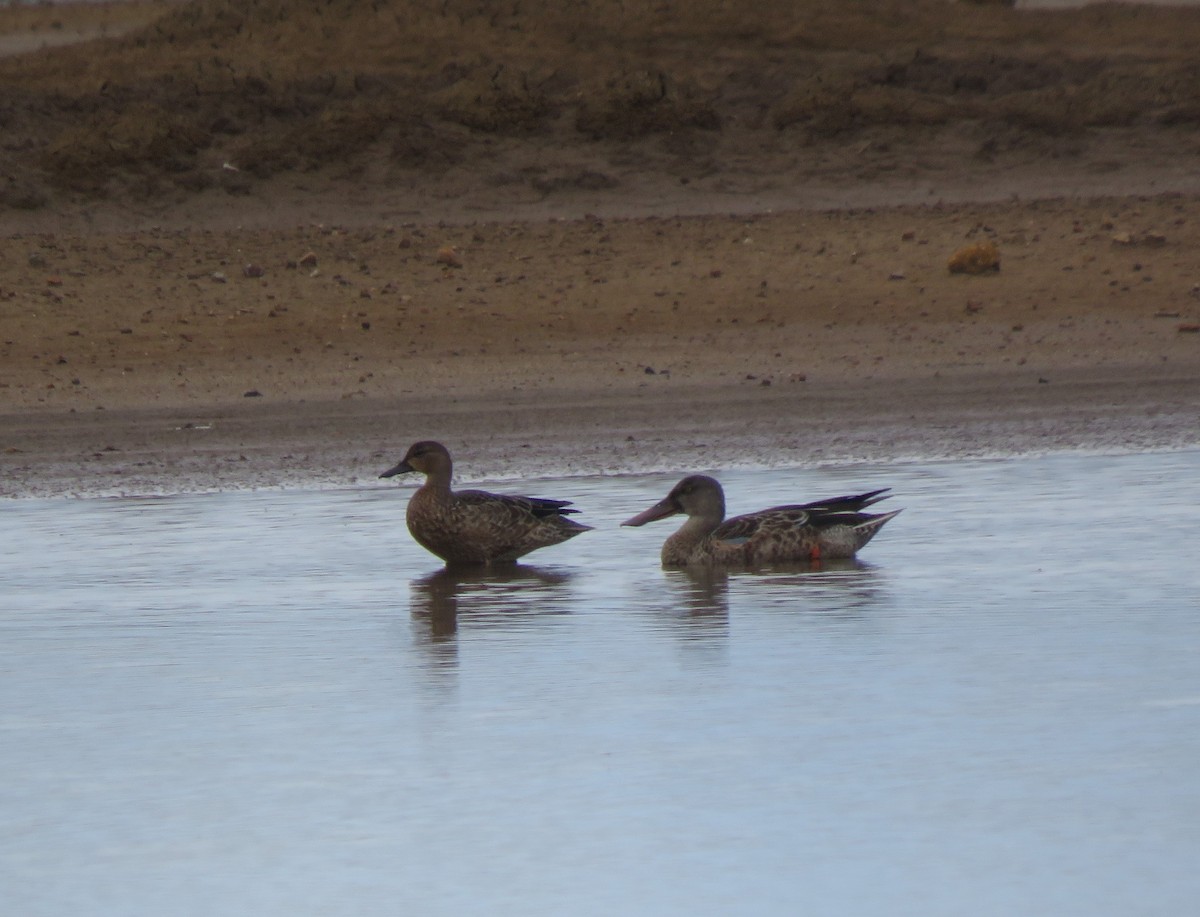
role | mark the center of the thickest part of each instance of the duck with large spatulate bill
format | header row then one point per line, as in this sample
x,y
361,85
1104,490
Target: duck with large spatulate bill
x,y
473,526
834,528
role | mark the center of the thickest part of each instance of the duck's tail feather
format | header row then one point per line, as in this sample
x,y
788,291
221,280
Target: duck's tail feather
x,y
869,528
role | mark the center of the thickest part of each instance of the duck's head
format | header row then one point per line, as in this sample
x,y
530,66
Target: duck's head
x,y
427,457
695,495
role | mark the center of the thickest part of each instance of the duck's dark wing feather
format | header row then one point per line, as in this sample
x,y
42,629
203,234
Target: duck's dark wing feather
x,y
852,503
538,507
543,506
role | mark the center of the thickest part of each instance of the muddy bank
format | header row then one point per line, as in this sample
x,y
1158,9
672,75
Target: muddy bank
x,y
147,451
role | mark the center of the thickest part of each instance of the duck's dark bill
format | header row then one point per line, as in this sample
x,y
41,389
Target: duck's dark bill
x,y
402,468
657,511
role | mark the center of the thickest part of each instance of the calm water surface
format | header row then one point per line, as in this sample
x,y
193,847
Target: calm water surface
x,y
274,703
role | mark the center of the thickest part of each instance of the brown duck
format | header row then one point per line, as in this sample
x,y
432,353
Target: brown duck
x,y
473,526
834,528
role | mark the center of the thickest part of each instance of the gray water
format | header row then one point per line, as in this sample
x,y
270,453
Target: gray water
x,y
273,704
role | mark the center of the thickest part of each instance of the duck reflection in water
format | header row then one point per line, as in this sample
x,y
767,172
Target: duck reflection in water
x,y
507,596
702,605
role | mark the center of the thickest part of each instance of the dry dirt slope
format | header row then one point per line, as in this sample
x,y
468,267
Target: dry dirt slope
x,y
379,91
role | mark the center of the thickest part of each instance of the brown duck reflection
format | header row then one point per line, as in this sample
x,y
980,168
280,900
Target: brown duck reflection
x,y
702,603
702,594
490,595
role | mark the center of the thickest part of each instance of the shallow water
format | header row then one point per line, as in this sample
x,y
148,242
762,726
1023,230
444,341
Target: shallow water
x,y
274,703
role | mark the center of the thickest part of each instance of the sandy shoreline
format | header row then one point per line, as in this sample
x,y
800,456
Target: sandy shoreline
x,y
154,451
149,362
